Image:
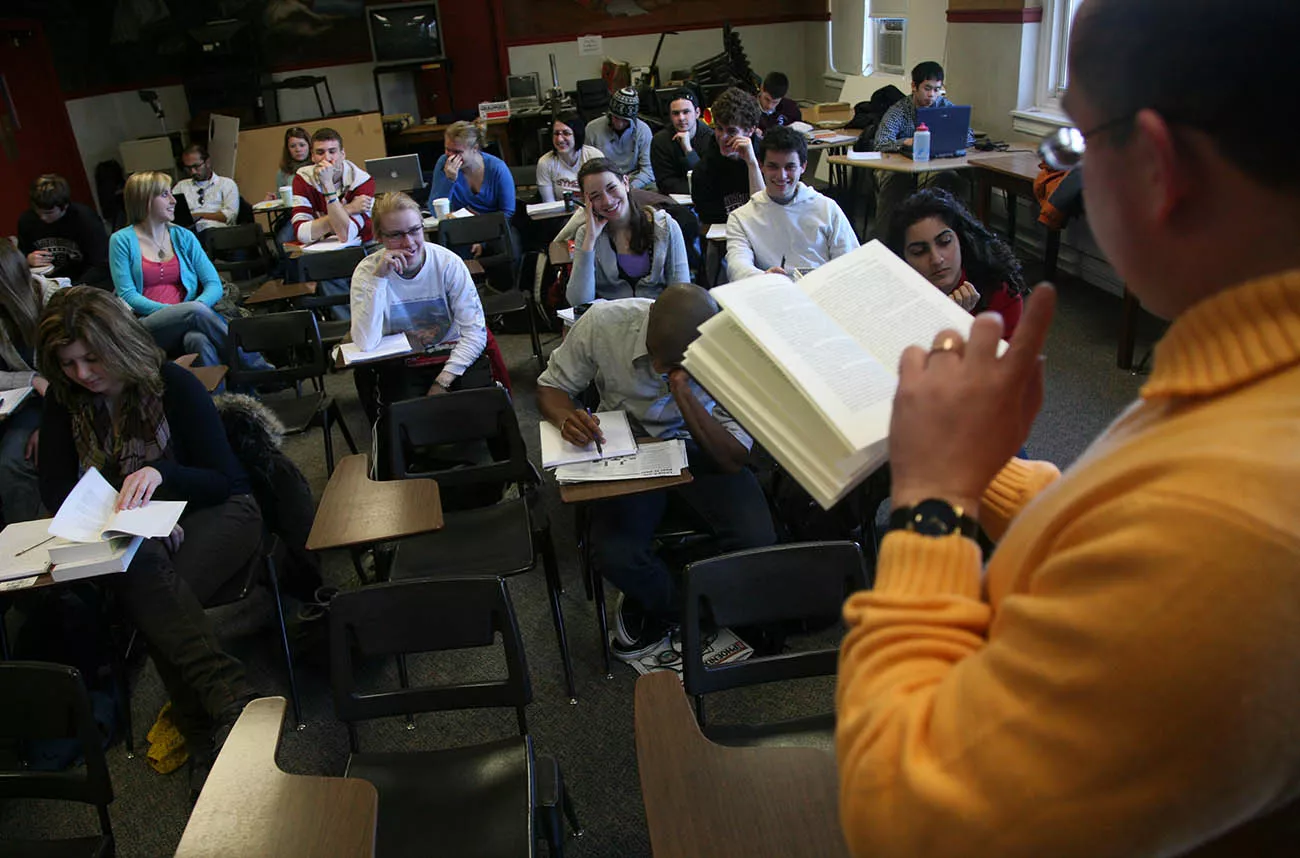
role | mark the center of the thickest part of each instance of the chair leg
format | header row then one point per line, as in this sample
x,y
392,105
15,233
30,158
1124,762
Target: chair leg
x,y
537,340
554,589
404,680
567,802
343,426
602,622
326,428
580,526
122,685
299,724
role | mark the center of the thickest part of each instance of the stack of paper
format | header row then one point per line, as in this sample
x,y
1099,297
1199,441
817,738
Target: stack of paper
x,y
618,442
538,209
662,459
329,244
682,199
11,399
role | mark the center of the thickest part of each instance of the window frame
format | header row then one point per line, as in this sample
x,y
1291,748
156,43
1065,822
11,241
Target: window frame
x,y
1053,53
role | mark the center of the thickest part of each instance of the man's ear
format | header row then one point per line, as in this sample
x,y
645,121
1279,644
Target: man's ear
x,y
1166,172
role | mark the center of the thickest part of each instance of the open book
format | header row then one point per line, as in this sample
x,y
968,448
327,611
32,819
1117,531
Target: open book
x,y
810,368
27,550
87,514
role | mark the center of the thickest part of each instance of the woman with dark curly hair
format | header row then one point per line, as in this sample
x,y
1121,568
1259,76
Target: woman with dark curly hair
x,y
935,234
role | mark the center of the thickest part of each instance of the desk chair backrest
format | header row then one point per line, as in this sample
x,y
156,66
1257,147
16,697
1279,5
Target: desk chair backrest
x,y
485,415
764,586
423,616
292,340
491,230
239,248
330,265
40,701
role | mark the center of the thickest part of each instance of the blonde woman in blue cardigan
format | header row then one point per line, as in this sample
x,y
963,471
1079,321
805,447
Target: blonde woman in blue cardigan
x,y
161,272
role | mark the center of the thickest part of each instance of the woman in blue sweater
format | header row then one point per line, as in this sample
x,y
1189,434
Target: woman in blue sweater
x,y
469,177
163,275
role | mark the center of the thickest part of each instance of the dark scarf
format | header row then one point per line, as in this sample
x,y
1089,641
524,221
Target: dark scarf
x,y
141,436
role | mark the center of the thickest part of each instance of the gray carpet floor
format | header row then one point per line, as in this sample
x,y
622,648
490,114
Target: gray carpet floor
x,y
592,740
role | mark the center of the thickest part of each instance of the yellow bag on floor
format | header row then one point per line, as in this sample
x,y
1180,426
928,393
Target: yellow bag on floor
x,y
167,751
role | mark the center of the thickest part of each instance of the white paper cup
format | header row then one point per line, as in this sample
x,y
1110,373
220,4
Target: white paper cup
x,y
286,195
441,207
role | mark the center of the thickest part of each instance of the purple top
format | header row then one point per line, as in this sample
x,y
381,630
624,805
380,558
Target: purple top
x,y
634,266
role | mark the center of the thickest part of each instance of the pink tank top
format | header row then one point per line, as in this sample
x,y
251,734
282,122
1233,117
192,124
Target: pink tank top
x,y
162,281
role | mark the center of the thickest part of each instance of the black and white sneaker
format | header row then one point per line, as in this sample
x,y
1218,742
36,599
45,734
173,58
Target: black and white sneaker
x,y
628,620
654,634
635,632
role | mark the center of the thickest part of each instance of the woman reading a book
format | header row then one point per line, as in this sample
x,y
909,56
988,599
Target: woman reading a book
x,y
623,250
940,238
22,298
151,429
166,279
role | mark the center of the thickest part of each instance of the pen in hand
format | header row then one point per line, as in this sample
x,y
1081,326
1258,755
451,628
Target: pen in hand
x,y
600,451
783,262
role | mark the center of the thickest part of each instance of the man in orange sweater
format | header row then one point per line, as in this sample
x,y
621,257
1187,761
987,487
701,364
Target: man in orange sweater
x,y
1124,678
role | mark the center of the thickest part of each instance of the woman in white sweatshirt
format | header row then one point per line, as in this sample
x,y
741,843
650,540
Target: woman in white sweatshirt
x,y
623,250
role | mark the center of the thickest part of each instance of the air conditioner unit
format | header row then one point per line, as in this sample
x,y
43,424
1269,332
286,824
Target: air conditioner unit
x,y
890,45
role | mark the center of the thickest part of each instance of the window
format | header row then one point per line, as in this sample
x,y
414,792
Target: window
x,y
1053,52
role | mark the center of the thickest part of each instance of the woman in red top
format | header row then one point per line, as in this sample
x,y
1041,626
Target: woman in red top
x,y
962,257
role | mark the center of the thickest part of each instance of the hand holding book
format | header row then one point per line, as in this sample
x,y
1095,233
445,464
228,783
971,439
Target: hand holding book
x,y
961,411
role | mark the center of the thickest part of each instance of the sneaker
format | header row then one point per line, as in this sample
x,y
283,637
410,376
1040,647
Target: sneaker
x,y
654,634
629,618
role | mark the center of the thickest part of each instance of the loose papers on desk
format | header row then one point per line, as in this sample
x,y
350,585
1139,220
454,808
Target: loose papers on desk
x,y
618,442
660,459
389,346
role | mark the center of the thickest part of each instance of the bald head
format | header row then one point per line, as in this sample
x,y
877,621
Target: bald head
x,y
1127,55
675,319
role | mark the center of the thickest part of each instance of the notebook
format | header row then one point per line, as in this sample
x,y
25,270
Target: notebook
x,y
618,442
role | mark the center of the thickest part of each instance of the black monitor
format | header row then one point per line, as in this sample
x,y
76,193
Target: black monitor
x,y
405,33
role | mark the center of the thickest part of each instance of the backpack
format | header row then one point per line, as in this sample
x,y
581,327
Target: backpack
x,y
867,115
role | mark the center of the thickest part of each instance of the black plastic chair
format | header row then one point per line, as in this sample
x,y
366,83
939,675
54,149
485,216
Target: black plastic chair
x,y
42,702
500,262
477,801
330,265
469,442
240,253
759,587
295,340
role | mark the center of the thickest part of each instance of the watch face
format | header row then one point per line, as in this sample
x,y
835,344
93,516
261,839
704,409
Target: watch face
x,y
934,518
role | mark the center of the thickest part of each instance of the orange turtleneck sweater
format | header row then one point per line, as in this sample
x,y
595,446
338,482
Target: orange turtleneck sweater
x,y
1124,679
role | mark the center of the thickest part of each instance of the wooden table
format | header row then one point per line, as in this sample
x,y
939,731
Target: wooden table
x,y
893,162
270,208
1013,173
356,510
278,290
707,799
250,808
602,489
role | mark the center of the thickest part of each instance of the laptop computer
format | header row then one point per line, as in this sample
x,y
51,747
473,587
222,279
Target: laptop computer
x,y
949,129
398,173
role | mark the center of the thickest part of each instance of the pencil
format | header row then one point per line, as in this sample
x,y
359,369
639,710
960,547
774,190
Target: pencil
x,y
600,451
37,545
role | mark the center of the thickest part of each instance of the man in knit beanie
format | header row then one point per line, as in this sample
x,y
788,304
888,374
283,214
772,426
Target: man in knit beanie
x,y
624,138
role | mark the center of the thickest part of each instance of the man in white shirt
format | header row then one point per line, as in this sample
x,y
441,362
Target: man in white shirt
x,y
424,291
787,225
213,200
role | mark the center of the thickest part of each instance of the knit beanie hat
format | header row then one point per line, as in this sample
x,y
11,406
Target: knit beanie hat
x,y
625,103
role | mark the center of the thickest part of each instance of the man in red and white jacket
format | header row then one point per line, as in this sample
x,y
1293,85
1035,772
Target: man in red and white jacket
x,y
331,196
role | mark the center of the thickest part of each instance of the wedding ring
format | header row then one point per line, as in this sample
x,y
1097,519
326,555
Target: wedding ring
x,y
949,344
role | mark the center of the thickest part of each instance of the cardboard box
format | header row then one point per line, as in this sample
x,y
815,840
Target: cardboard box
x,y
830,111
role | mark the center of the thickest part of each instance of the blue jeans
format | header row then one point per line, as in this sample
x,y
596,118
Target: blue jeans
x,y
195,327
622,530
20,497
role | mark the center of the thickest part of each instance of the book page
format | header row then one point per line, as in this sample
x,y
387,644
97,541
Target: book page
x,y
389,346
883,303
841,378
86,510
155,519
618,442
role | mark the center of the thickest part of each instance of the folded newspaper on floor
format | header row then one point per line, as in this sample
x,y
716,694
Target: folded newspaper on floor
x,y
720,647
660,459
810,367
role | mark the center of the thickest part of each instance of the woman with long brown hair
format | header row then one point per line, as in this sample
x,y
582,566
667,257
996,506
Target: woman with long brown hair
x,y
150,428
22,298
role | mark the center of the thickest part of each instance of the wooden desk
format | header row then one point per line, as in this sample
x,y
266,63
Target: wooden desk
x,y
211,376
582,492
497,129
707,799
1014,173
250,808
356,510
416,349
892,162
270,208
278,290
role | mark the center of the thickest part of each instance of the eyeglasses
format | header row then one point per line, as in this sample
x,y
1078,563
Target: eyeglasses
x,y
200,191
1063,149
413,232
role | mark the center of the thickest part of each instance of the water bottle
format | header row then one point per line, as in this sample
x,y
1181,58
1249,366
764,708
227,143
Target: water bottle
x,y
921,143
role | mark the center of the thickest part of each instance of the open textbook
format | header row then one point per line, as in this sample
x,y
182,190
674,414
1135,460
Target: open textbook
x,y
87,514
810,367
27,550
